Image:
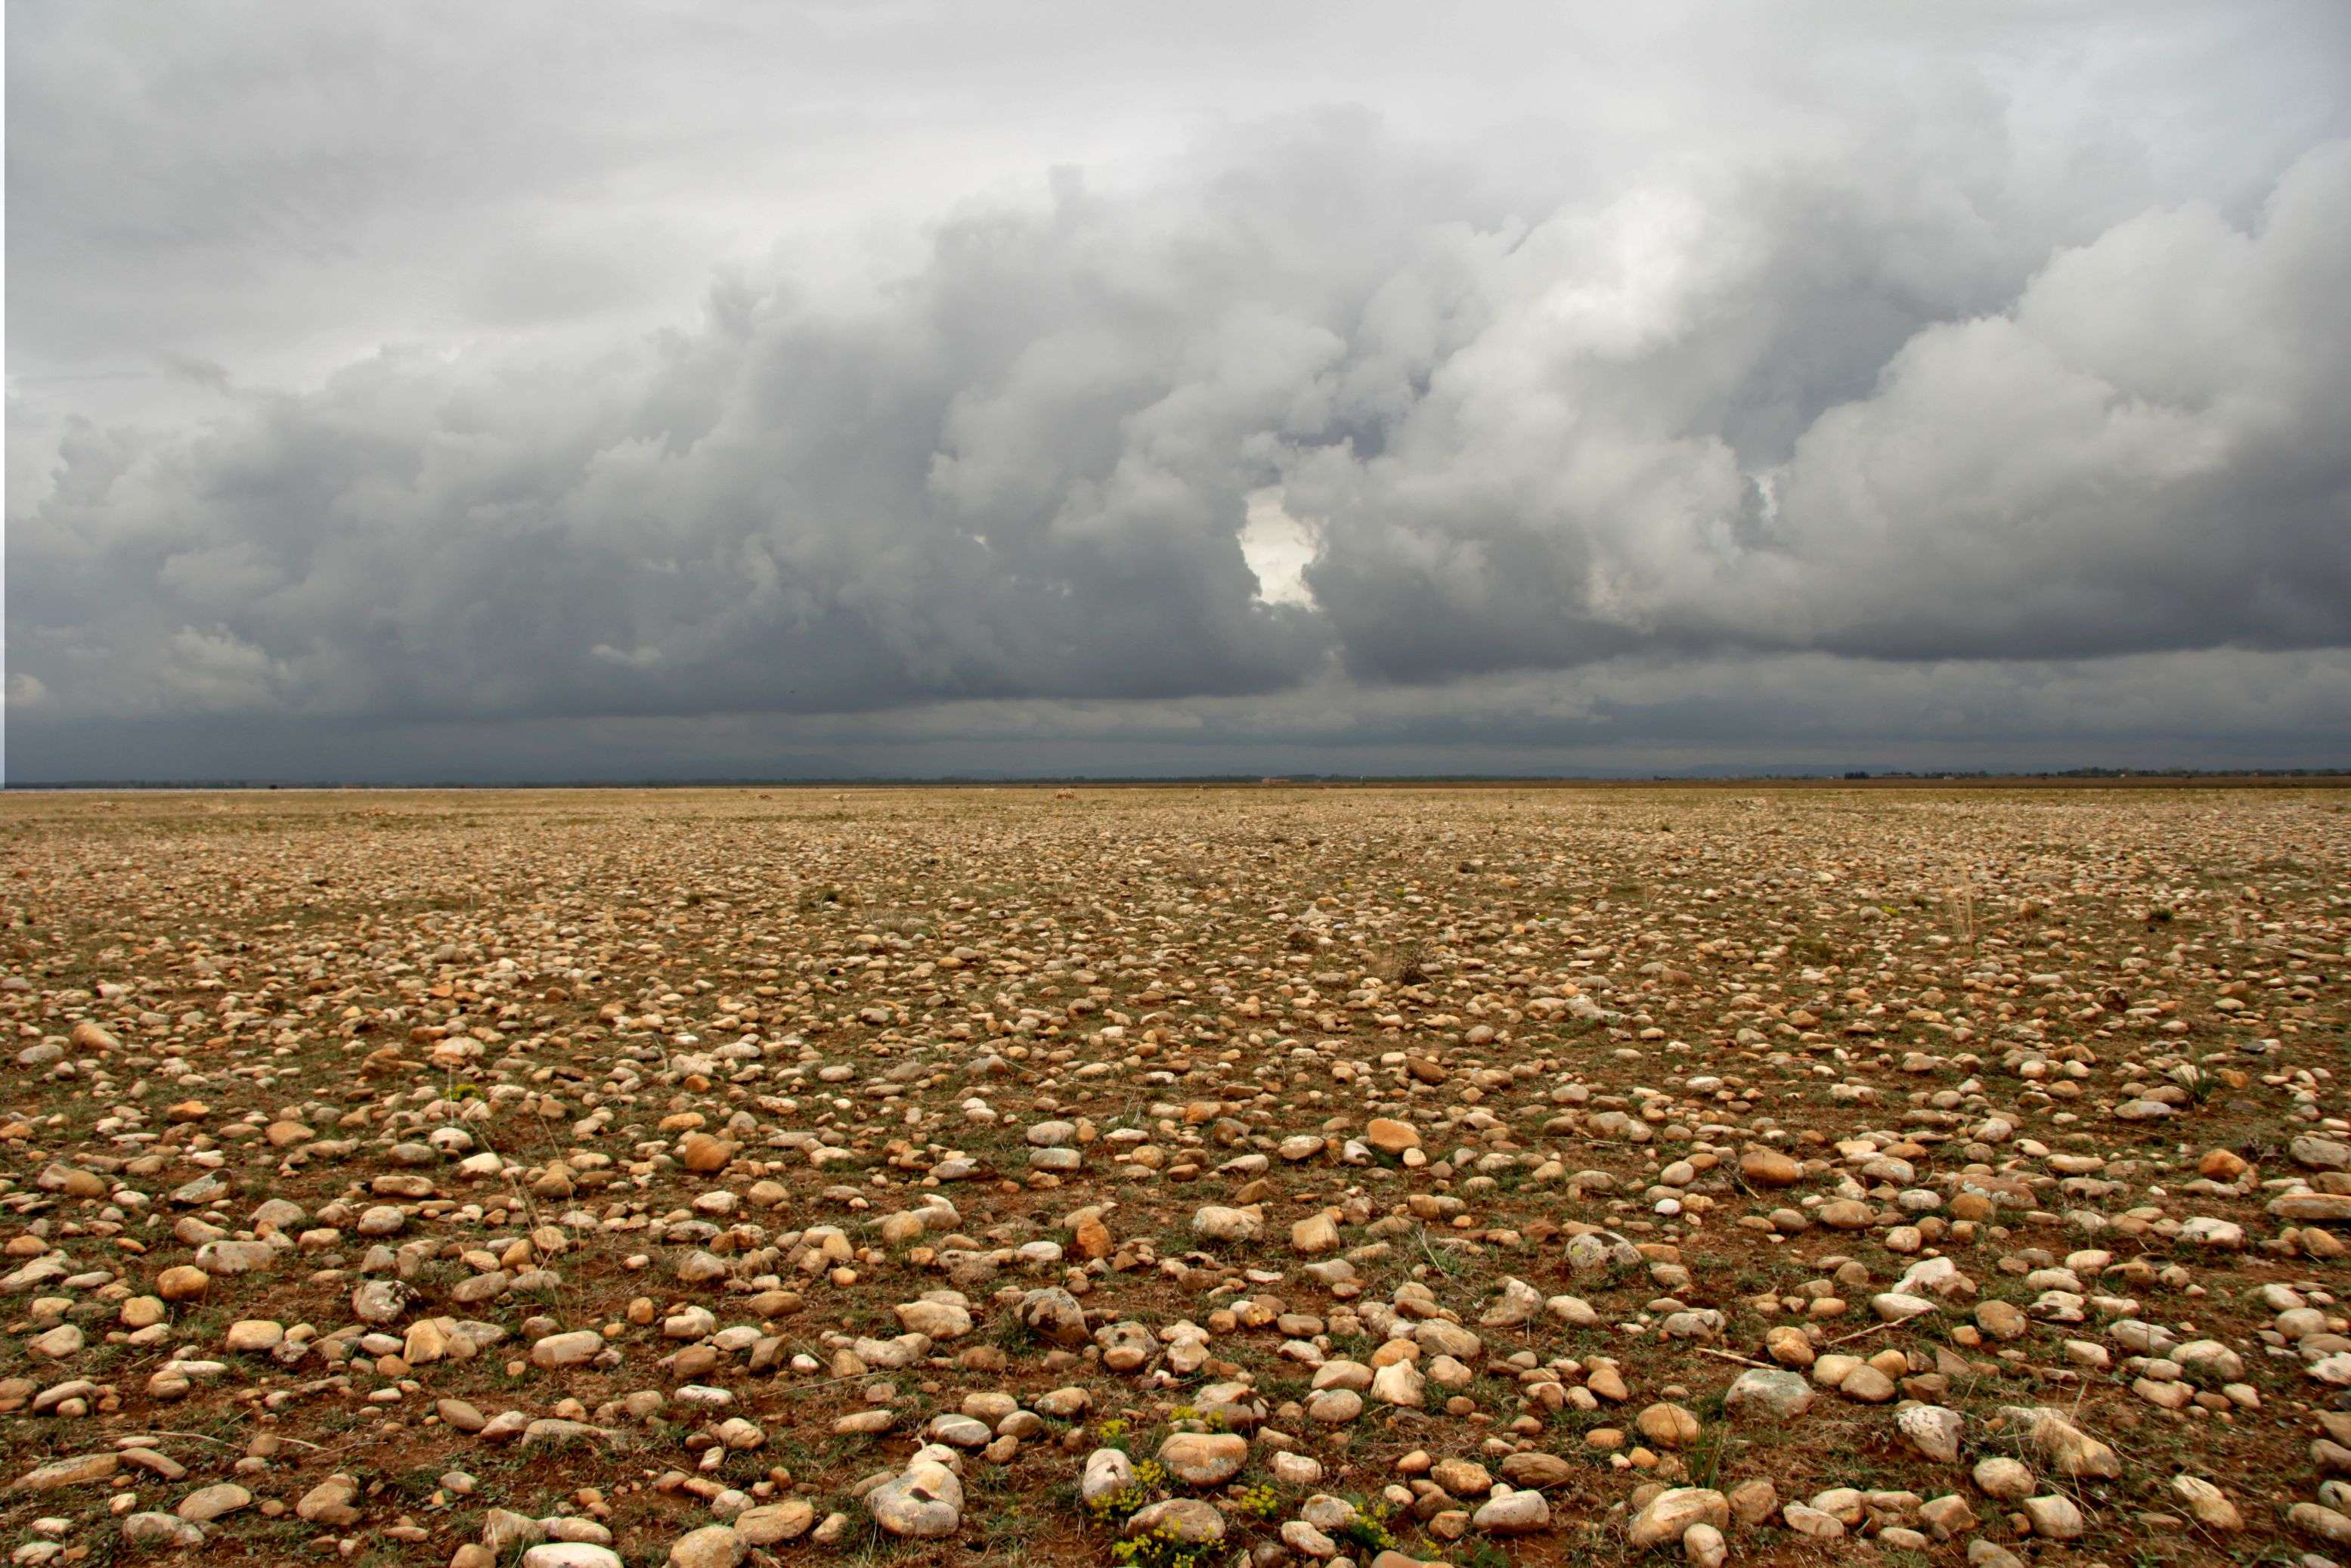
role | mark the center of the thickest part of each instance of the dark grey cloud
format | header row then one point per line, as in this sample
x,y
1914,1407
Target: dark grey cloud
x,y
1824,360
1622,718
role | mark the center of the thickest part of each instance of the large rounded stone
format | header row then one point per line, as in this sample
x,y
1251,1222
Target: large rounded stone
x,y
1204,1458
712,1546
572,1555
1334,1407
939,1320
1184,1520
1669,1515
2002,1477
1216,1222
1533,1467
160,1529
702,1154
923,1505
1107,1473
2071,1451
1513,1513
182,1282
1670,1426
1054,1316
2054,1517
1865,1385
1764,1393
1933,1430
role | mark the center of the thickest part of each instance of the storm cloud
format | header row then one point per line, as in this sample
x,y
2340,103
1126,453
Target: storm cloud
x,y
1954,388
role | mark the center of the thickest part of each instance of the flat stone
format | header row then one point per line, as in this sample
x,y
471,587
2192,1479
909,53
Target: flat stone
x,y
84,1469
208,1504
1818,1523
571,1349
774,1524
1533,1467
2315,1152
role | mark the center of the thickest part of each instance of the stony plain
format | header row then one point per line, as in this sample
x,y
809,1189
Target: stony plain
x,y
1177,1177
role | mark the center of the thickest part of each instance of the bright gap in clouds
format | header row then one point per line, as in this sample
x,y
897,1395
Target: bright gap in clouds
x,y
1279,549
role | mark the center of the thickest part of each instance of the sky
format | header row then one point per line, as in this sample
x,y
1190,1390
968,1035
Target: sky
x,y
452,392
